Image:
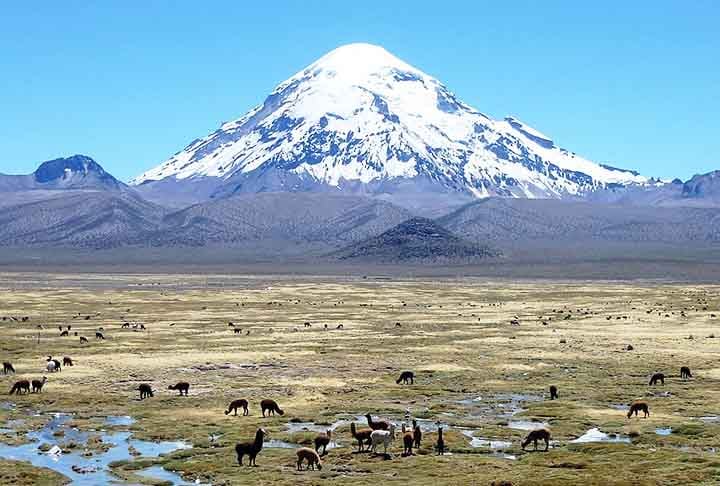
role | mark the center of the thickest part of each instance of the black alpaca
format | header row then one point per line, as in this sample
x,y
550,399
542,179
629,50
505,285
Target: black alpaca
x,y
183,388
99,335
685,373
8,368
440,445
271,407
235,404
145,391
406,377
657,377
67,361
37,385
553,392
22,386
417,434
251,449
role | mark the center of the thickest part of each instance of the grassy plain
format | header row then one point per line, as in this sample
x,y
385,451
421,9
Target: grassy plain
x,y
476,371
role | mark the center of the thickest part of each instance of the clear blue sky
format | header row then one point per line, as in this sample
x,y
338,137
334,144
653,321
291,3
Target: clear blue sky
x,y
636,84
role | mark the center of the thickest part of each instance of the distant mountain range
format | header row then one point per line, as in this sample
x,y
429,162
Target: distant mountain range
x,y
343,158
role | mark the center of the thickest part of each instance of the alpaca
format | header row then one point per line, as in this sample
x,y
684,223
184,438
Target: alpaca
x,y
340,326
99,335
126,325
379,425
38,384
383,437
183,387
362,436
8,368
309,455
237,330
440,445
251,449
83,339
322,440
67,361
22,386
417,434
235,404
407,378
536,435
657,377
51,367
145,391
638,406
271,407
685,373
64,334
408,441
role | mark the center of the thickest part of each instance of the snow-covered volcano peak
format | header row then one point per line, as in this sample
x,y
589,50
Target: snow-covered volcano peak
x,y
361,120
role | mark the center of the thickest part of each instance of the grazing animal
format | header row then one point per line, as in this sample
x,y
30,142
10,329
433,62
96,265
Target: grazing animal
x,y
379,425
126,325
553,392
8,368
309,455
64,334
406,377
322,440
145,391
307,324
235,404
271,407
83,339
22,386
408,441
237,330
537,435
99,335
636,407
657,377
251,449
362,436
67,361
383,437
183,387
685,373
38,384
51,366
417,434
340,326
440,444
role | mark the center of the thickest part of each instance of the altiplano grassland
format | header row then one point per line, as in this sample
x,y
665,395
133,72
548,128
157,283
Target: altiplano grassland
x,y
484,354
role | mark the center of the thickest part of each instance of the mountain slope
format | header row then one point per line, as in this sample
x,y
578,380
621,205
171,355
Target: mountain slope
x,y
415,240
321,218
361,121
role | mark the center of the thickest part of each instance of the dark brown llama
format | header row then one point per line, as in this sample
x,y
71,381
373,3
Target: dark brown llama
x,y
537,435
182,387
406,378
271,407
251,449
638,406
235,404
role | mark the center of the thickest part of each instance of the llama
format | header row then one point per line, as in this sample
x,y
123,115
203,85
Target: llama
x,y
407,378
638,406
83,339
237,330
99,335
251,449
64,333
440,445
126,325
685,373
271,407
235,404
145,391
383,437
408,441
417,434
657,377
8,368
67,361
309,455
553,392
537,435
379,425
183,387
362,436
322,440
21,386
51,367
37,385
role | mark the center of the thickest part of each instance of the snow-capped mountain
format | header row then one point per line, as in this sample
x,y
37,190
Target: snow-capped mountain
x,y
360,120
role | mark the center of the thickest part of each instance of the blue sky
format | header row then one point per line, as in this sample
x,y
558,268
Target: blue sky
x,y
635,84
